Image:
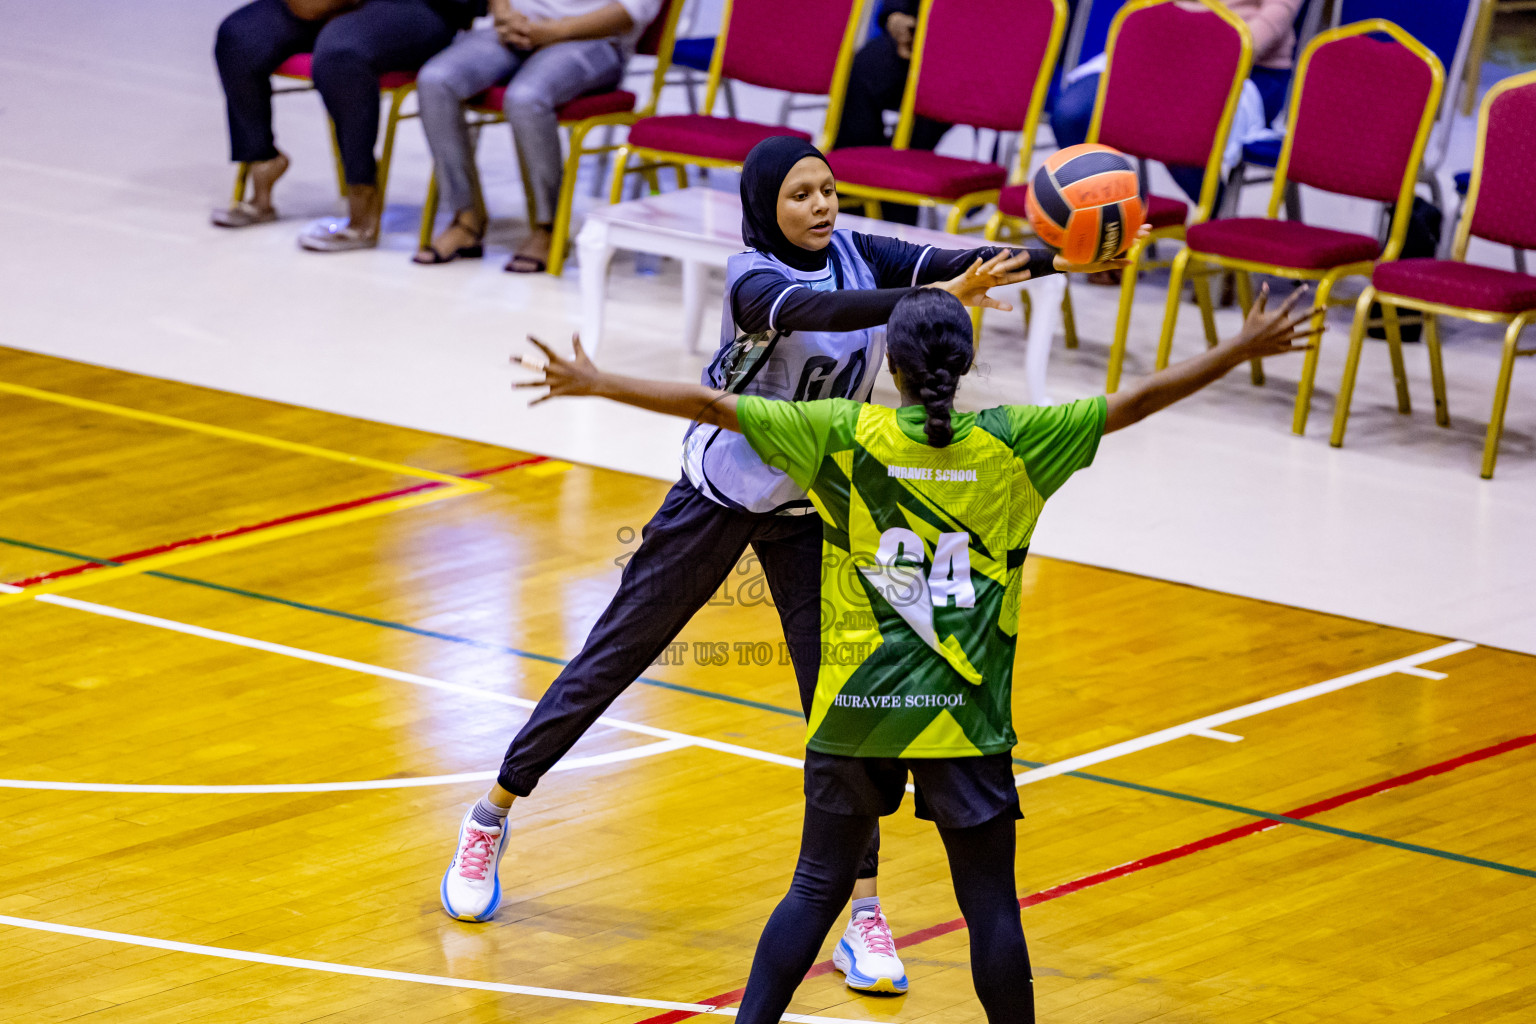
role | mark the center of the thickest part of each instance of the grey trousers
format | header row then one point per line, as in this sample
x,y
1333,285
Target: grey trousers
x,y
541,81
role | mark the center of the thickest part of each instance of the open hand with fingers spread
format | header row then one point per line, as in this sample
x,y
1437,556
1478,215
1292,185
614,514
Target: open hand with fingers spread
x,y
575,375
971,286
1271,334
1263,334
564,376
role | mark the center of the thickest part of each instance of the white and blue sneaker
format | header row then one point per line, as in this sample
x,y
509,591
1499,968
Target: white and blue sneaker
x,y
867,956
471,889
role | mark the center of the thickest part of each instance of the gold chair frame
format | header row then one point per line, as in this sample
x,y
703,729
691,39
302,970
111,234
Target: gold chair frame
x,y
1208,187
907,120
1139,247
560,233
1326,278
1515,322
679,162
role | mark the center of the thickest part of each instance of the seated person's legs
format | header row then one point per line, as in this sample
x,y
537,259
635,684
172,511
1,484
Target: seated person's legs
x,y
1073,112
475,62
251,42
548,79
875,84
1189,180
351,52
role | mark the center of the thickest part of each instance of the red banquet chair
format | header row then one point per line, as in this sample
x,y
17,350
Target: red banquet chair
x,y
1146,112
1498,209
961,76
579,117
1361,111
796,46
396,84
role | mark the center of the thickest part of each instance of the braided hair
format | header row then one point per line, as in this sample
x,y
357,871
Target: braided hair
x,y
929,340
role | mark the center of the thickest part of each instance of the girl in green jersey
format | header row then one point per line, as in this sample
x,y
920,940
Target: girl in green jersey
x,y
926,517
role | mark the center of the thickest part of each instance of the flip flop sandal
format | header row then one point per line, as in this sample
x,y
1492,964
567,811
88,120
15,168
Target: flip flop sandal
x,y
243,215
521,264
329,235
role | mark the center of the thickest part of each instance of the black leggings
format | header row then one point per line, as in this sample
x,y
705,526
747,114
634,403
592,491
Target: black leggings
x,y
351,51
981,865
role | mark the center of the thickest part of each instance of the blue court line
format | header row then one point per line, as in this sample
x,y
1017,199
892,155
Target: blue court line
x,y
1251,812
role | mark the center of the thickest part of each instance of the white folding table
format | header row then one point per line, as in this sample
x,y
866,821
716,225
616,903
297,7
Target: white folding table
x,y
701,228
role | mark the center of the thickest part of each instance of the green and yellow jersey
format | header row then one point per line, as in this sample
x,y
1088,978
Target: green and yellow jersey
x,y
922,550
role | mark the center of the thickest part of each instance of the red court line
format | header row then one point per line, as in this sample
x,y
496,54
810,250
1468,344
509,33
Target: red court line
x,y
237,531
1176,853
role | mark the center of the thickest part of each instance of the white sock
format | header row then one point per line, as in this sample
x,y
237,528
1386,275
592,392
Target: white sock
x,y
868,905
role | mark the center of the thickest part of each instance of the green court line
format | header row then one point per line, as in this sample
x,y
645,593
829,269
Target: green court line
x,y
402,627
1301,822
1251,812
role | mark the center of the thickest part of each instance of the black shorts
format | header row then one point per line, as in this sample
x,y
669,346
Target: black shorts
x,y
952,792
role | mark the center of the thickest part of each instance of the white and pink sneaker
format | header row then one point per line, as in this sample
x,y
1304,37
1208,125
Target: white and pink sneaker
x,y
867,956
471,889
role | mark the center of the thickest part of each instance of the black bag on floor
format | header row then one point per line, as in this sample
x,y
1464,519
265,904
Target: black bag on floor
x,y
1422,242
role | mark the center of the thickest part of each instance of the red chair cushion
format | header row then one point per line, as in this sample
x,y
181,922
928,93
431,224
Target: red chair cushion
x,y
1458,284
297,66
1162,212
620,101
301,65
914,170
1285,243
493,100
719,138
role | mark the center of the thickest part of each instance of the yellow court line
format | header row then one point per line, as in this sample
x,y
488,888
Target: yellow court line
x,y
457,486
230,433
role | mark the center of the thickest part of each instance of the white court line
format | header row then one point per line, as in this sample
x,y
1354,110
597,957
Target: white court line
x,y
1408,665
1217,734
404,677
374,972
568,764
1258,707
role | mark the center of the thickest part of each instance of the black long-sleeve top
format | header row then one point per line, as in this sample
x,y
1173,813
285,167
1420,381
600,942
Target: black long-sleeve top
x,y
759,301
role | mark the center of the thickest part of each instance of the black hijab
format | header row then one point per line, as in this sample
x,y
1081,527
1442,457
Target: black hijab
x,y
762,176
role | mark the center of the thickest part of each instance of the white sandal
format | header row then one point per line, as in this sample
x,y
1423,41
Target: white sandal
x,y
333,235
243,215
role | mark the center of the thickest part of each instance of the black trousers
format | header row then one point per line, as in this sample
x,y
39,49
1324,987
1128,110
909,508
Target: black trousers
x,y
351,51
686,551
875,84
981,865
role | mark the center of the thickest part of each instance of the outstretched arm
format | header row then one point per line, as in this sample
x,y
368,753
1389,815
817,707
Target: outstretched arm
x,y
1263,334
577,376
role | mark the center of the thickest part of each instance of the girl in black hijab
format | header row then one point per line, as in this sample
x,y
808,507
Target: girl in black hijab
x,y
805,310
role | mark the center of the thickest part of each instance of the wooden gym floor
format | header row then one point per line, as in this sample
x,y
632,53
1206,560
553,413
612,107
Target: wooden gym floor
x,y
235,752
